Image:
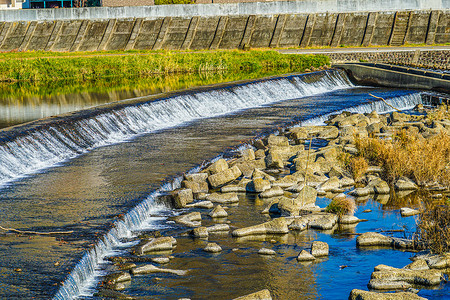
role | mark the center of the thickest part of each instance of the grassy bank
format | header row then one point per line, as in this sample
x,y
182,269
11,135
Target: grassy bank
x,y
91,66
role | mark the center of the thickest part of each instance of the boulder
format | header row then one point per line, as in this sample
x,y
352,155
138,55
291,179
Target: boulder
x,y
117,277
160,260
224,177
196,177
200,232
226,198
218,212
201,204
275,226
218,166
265,251
365,295
247,167
330,184
212,248
261,295
274,160
373,239
292,206
218,228
305,256
147,269
319,249
381,187
407,212
385,277
257,173
155,245
258,185
182,197
299,224
248,154
196,187
347,219
405,184
276,140
361,192
324,221
276,191
419,264
190,220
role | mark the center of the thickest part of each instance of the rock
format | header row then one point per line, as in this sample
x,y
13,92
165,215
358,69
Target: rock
x,y
258,185
324,221
386,277
200,232
381,187
260,153
190,220
373,239
319,249
347,219
337,172
399,117
365,295
346,181
218,212
155,245
212,248
437,261
330,184
286,181
248,167
276,191
217,167
224,177
419,264
407,212
299,224
265,251
202,204
275,140
196,187
147,269
291,207
275,226
161,260
115,278
248,154
257,173
261,295
374,128
226,198
218,228
196,177
182,197
405,184
305,256
274,160
361,192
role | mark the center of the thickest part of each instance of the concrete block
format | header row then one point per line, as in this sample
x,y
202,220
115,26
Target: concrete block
x,y
175,33
204,33
418,26
94,34
233,32
15,36
67,35
323,29
41,35
120,35
383,28
263,31
443,28
354,29
148,34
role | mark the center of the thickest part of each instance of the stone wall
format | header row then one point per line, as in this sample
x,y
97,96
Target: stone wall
x,y
436,59
114,3
229,32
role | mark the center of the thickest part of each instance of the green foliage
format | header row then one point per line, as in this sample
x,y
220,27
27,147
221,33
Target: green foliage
x,y
95,66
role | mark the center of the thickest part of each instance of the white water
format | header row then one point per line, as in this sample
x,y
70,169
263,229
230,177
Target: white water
x,y
46,147
82,280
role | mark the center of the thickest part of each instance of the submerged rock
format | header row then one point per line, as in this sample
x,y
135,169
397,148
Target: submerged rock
x,y
147,269
200,232
212,248
273,192
261,295
387,278
275,226
226,198
202,204
218,228
373,239
365,295
182,197
407,212
319,248
324,221
305,256
405,184
265,251
155,245
218,212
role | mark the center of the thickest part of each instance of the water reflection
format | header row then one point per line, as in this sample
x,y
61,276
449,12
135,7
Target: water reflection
x,y
22,102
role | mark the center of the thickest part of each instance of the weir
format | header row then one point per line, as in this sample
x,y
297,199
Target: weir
x,y
74,142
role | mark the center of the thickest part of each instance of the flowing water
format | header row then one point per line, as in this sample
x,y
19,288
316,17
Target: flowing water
x,y
80,171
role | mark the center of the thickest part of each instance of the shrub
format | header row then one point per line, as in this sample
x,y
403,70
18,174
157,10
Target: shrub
x,y
358,167
433,229
341,206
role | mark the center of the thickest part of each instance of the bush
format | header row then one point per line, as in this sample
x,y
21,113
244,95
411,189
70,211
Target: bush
x,y
433,229
341,206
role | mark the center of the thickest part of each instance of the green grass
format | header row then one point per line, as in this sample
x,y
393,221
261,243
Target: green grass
x,y
45,66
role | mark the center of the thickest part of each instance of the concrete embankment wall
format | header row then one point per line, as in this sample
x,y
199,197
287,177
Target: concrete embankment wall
x,y
229,31
396,76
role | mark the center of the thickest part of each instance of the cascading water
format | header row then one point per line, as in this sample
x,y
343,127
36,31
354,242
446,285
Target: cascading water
x,y
44,146
83,277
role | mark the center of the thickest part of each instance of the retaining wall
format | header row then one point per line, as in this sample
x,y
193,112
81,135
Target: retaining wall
x,y
229,32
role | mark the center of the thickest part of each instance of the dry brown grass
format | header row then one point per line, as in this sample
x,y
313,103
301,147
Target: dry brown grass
x,y
433,229
341,206
358,167
426,161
